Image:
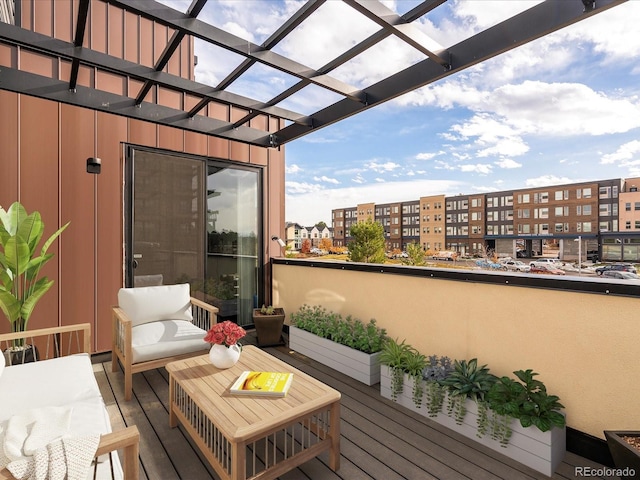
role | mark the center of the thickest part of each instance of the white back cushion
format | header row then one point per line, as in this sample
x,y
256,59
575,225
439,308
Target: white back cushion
x,y
150,304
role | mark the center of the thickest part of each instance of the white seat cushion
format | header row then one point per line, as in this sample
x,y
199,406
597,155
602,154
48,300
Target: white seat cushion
x,y
166,338
48,383
150,304
60,382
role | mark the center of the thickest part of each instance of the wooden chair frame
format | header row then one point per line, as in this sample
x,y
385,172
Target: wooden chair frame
x,y
128,439
204,315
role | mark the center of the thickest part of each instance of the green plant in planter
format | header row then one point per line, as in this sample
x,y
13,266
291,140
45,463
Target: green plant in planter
x,y
267,310
414,365
436,370
526,400
349,331
394,355
467,380
20,264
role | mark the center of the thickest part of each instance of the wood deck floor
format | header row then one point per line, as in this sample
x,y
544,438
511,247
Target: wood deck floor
x,y
379,439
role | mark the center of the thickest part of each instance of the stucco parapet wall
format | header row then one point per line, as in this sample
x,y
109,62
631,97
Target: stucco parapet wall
x,y
571,283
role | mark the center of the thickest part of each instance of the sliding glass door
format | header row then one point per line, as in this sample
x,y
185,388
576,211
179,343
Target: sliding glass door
x,y
194,220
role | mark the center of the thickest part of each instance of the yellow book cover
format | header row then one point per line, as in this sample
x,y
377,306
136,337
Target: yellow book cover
x,y
274,384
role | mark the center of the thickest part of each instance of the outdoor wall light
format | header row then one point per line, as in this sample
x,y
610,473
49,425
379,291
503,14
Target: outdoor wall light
x,y
275,238
588,5
94,165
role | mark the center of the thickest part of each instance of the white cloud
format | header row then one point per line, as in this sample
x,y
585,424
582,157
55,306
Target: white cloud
x,y
626,153
305,212
379,180
508,163
547,180
482,168
358,179
302,188
428,155
326,179
381,167
293,168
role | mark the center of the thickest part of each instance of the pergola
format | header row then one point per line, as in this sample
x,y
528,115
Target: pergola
x,y
540,20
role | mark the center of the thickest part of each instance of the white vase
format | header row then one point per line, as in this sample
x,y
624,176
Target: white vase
x,y
224,357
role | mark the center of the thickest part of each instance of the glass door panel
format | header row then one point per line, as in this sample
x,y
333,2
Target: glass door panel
x,y
167,244
232,241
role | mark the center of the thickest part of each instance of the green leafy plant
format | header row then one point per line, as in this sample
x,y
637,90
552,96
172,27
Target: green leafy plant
x,y
268,310
20,264
414,364
527,400
349,331
467,380
436,370
394,355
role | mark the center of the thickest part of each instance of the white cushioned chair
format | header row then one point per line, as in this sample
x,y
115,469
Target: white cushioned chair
x,y
153,326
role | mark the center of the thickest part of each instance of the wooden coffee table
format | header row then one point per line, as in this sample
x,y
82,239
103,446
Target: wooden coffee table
x,y
247,437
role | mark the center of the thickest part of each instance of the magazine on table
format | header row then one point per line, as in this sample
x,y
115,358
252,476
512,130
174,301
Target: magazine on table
x,y
273,384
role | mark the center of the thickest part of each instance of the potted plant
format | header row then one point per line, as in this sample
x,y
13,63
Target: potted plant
x,y
21,286
624,446
345,344
269,321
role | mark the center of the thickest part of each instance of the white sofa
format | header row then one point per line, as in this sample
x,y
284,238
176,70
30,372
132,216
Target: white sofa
x,y
155,325
66,381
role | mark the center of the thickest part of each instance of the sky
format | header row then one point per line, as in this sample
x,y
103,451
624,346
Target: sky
x,y
562,109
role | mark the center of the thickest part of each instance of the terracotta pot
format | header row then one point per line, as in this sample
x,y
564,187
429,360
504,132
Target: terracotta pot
x,y
269,327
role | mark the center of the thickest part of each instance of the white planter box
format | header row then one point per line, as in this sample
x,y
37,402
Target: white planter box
x,y
363,367
542,451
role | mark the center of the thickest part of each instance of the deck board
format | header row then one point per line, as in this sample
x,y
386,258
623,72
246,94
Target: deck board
x,y
380,440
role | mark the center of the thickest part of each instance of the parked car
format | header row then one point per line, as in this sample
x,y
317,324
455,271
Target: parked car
x,y
522,254
318,251
619,267
554,262
548,269
593,255
445,255
516,266
622,275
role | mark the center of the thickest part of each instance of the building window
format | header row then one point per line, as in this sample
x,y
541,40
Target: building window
x,y
586,226
627,225
605,210
558,228
627,206
586,193
586,210
476,202
637,224
476,216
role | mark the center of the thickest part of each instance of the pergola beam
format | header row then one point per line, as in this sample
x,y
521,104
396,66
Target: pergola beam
x,y
540,20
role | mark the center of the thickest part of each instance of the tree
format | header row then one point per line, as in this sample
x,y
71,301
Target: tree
x,y
326,244
368,242
416,255
321,226
306,246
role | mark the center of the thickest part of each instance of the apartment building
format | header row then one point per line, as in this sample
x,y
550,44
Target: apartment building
x,y
432,222
562,220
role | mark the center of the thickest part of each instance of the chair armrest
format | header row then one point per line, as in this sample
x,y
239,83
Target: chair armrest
x,y
52,340
127,439
121,338
204,314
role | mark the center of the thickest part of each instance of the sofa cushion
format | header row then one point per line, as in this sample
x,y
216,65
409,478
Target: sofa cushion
x,y
48,383
166,338
61,382
150,304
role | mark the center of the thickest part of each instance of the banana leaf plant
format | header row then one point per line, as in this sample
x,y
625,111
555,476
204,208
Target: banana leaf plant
x,y
20,264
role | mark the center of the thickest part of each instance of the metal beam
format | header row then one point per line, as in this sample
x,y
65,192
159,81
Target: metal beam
x,y
286,28
56,90
83,12
216,36
174,42
60,49
394,24
353,52
540,20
